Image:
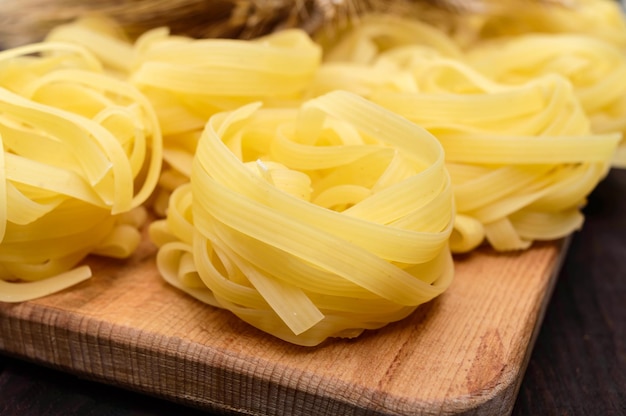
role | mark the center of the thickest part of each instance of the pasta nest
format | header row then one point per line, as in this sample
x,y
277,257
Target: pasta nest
x,y
529,125
81,152
314,222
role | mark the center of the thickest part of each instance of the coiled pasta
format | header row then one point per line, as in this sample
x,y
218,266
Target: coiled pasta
x,y
188,80
595,69
584,41
312,223
81,154
523,156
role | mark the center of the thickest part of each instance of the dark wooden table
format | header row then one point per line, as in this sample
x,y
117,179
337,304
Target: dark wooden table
x,y
578,365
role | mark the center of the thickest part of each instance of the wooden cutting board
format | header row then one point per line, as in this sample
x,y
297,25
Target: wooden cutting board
x,y
463,353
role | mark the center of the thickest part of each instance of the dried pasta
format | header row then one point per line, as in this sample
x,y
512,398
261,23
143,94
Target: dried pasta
x,y
595,69
81,154
518,152
261,246
187,80
584,41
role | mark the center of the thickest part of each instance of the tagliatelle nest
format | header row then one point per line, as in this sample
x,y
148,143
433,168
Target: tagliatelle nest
x,y
26,21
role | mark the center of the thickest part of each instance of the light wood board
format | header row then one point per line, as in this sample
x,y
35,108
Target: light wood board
x,y
463,353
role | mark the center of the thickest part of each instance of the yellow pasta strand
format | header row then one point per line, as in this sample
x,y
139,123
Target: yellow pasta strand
x,y
20,292
600,19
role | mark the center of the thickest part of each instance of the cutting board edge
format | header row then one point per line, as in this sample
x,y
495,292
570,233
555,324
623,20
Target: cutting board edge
x,y
501,398
26,349
73,331
563,246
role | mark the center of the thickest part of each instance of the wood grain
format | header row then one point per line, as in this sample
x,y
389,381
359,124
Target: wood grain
x,y
465,352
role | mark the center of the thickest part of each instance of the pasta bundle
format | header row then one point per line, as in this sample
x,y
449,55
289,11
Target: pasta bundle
x,y
188,80
523,156
595,69
582,40
314,222
81,152
205,76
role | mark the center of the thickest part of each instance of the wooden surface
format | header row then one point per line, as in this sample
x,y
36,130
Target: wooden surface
x,y
480,331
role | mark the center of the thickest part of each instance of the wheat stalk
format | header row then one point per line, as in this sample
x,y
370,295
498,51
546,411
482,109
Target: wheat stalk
x,y
25,21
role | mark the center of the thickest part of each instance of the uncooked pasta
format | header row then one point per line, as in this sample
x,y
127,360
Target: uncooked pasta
x,y
582,40
187,80
265,250
81,154
519,153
